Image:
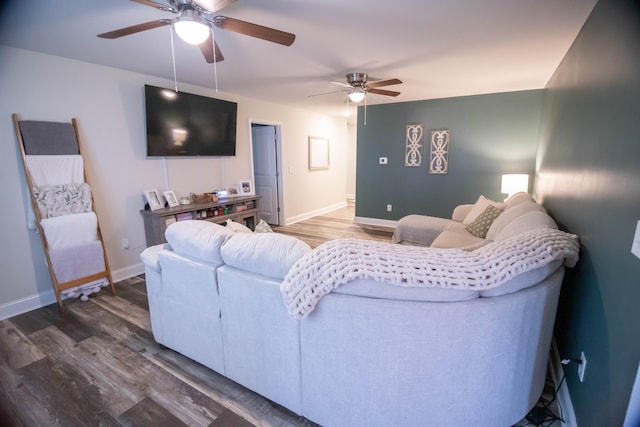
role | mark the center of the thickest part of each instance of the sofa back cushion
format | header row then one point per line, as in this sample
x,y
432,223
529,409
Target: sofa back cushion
x,y
510,214
518,198
200,240
528,221
269,254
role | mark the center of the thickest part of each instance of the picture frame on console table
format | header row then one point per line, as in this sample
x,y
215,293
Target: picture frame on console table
x,y
171,199
153,199
233,191
246,188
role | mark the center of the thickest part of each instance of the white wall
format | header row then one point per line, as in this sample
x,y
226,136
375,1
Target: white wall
x,y
109,106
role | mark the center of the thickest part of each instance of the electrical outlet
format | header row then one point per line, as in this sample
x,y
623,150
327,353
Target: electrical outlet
x,y
389,208
582,366
125,243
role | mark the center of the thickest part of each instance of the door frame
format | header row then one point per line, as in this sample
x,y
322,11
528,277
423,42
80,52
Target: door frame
x,y
278,171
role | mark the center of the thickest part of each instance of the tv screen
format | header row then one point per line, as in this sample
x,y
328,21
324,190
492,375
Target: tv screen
x,y
184,124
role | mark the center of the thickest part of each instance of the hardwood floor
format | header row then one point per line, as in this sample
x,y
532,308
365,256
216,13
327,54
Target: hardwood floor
x,y
98,364
334,225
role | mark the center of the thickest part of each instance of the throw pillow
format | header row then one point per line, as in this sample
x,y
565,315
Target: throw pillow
x,y
479,207
237,227
481,224
263,227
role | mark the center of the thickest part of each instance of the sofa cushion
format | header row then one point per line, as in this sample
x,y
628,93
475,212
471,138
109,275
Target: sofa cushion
x,y
479,207
455,239
518,198
270,254
197,239
529,221
481,224
510,213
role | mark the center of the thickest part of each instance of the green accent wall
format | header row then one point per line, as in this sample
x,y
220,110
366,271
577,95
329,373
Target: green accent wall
x,y
490,135
589,180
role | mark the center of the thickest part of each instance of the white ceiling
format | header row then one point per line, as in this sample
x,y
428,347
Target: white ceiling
x,y
438,48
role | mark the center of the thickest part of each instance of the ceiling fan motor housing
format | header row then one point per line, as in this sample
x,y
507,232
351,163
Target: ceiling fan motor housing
x,y
356,79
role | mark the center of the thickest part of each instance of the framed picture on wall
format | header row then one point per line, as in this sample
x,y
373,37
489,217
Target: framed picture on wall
x,y
153,199
318,153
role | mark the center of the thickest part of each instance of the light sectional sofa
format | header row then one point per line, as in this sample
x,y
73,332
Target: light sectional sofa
x,y
363,333
518,213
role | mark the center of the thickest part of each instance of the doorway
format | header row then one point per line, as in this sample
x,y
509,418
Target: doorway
x,y
266,150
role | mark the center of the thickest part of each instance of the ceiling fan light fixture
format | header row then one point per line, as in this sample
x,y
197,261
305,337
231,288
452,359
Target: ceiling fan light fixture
x,y
356,95
191,28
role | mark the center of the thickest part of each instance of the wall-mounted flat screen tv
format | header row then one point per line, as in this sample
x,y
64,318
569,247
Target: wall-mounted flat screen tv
x,y
185,124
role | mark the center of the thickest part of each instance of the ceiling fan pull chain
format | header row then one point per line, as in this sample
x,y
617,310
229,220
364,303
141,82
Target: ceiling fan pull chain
x,y
215,61
365,110
173,58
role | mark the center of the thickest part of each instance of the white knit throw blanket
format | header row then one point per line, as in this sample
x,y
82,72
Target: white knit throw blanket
x,y
343,260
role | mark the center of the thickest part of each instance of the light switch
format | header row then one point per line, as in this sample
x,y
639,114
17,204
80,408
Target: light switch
x,y
635,246
382,160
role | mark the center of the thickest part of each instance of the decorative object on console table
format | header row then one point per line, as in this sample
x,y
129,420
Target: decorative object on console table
x,y
153,199
232,191
439,158
413,148
318,153
241,209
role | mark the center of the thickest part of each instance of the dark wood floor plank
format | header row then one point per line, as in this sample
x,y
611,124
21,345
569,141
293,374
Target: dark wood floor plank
x,y
133,290
230,419
64,398
131,313
149,413
15,348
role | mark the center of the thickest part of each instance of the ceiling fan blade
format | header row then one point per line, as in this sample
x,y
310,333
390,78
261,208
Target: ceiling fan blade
x,y
383,92
341,84
135,29
160,6
327,93
254,30
385,83
212,5
207,50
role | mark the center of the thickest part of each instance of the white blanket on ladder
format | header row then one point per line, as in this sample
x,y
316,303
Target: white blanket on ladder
x,y
343,260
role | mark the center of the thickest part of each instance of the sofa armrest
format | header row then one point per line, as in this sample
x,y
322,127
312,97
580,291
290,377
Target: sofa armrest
x,y
460,212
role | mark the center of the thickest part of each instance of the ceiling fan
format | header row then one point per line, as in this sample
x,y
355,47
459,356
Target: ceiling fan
x,y
357,87
194,24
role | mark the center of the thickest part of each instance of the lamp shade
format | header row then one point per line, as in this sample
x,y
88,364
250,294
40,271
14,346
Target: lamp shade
x,y
514,183
191,30
356,95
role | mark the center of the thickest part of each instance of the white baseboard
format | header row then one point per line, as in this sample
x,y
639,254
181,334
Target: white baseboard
x,y
564,399
376,222
311,214
23,305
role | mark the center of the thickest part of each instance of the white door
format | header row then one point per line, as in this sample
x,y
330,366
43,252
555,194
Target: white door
x,y
265,169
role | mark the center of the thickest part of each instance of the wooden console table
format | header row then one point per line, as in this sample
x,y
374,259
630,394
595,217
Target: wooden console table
x,y
242,209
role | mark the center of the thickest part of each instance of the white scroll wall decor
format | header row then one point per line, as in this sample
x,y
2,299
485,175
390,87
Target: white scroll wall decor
x,y
413,148
439,158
